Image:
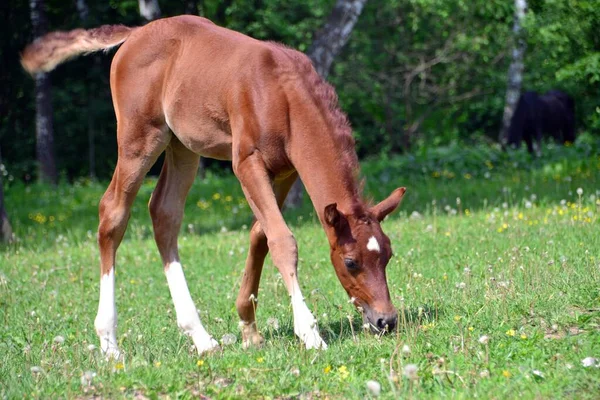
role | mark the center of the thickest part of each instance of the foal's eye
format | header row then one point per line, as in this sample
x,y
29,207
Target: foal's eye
x,y
350,264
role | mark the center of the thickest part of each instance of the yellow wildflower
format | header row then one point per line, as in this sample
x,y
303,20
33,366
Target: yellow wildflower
x,y
510,332
506,374
343,372
327,369
260,360
200,363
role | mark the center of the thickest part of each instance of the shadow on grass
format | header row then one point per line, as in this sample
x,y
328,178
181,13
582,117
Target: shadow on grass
x,y
352,328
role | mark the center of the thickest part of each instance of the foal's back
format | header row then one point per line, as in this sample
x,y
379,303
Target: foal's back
x,y
200,80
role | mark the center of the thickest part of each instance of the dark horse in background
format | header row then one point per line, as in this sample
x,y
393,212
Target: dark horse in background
x,y
552,113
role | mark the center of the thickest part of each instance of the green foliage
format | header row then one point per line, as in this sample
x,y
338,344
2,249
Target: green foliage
x,y
415,72
498,293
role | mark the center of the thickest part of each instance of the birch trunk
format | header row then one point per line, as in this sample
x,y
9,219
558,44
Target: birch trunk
x,y
327,44
43,105
149,9
515,71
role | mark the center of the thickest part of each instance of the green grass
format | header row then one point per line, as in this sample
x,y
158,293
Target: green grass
x,y
517,260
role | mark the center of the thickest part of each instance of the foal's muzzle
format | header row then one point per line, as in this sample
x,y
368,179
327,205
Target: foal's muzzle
x,y
382,322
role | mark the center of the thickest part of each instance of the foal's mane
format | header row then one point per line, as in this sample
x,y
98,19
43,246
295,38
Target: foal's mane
x,y
326,100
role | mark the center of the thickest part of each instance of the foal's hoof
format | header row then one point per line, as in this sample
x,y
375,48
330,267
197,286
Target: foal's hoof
x,y
250,335
309,335
252,340
207,346
111,353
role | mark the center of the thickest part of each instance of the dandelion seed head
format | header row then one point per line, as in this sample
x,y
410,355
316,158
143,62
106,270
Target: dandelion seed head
x,y
374,388
484,339
410,371
228,339
87,377
273,323
59,339
589,362
537,373
406,350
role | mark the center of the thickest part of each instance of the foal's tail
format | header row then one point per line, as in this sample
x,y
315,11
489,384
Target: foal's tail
x,y
46,52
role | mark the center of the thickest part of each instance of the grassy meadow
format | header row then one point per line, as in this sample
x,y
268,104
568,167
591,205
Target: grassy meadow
x,y
496,276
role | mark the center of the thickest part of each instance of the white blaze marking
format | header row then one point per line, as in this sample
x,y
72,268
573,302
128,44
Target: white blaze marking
x,y
187,315
373,244
305,325
106,319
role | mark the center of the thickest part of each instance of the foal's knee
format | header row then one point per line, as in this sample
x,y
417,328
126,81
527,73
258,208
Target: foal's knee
x,y
284,251
113,220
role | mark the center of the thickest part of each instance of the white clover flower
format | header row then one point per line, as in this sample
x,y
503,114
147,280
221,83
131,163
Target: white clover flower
x,y
59,339
406,350
461,285
484,374
36,370
374,388
484,339
91,347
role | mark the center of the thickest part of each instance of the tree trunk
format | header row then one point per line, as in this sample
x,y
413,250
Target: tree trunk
x,y
327,44
6,234
515,71
82,9
43,105
149,9
192,7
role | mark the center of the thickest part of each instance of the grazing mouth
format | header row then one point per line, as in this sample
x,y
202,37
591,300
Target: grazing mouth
x,y
378,323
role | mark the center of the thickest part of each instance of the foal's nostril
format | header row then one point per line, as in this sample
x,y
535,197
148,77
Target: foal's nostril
x,y
391,323
388,323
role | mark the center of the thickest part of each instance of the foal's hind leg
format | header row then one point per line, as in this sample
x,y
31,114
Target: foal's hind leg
x,y
138,150
166,208
257,252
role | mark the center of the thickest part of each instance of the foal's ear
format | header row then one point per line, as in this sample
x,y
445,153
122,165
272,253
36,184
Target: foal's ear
x,y
336,219
332,215
388,205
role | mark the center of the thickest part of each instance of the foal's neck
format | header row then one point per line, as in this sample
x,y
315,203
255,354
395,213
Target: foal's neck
x,y
328,167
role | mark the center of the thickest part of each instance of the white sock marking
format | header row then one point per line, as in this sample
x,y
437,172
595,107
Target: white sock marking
x,y
305,325
187,315
373,245
106,319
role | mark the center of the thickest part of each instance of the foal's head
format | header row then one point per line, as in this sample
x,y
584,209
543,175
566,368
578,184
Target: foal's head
x,y
360,252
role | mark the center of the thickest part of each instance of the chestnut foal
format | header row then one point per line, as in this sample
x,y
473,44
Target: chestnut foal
x,y
189,88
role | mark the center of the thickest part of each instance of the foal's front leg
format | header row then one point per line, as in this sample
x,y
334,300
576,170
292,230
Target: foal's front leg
x,y
256,184
246,301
